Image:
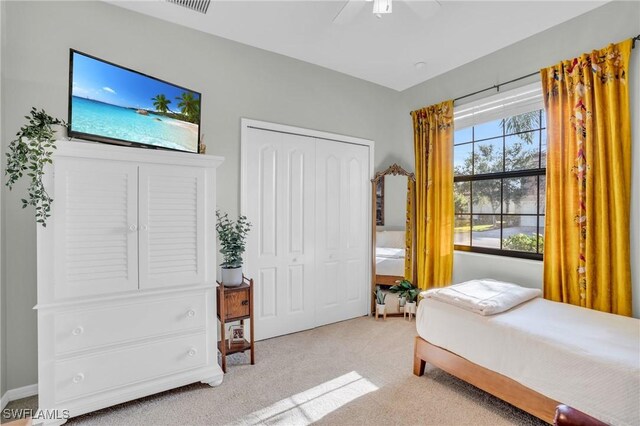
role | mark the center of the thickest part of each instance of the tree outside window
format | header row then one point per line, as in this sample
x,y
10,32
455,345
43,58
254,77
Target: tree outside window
x,y
499,189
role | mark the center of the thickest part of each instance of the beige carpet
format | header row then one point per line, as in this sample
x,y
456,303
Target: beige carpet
x,y
352,373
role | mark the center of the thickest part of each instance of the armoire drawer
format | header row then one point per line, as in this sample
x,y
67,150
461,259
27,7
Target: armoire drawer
x,y
123,322
82,376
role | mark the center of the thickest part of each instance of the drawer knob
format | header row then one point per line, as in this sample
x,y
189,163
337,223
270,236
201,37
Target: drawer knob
x,y
78,378
133,227
77,331
244,303
191,313
192,352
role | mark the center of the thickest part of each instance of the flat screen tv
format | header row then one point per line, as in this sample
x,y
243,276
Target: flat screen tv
x,y
112,104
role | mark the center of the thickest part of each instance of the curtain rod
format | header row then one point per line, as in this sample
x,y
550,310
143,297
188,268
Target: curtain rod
x,y
497,86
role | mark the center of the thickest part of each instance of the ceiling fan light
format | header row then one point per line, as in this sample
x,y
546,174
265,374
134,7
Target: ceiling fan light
x,y
382,6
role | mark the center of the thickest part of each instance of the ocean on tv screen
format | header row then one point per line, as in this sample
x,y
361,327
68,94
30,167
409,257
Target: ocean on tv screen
x,y
130,124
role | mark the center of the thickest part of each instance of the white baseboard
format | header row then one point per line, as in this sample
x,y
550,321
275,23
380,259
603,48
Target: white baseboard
x,y
18,393
4,401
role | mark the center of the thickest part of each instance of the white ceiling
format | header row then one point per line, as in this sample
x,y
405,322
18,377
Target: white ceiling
x,y
384,50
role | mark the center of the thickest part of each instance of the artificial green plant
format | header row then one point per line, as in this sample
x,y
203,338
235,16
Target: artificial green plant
x,y
28,154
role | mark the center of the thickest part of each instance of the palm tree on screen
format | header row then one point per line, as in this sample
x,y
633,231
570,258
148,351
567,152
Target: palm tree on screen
x,y
189,105
161,103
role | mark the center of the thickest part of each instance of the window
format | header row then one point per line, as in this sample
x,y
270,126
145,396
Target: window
x,y
499,183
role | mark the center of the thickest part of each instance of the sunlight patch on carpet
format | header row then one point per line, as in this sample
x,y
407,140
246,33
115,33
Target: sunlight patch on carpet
x,y
313,404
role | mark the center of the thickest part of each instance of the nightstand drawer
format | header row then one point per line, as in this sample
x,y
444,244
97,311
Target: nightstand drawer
x,y
236,303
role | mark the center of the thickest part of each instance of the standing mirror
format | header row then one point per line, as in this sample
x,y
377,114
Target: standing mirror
x,y
393,247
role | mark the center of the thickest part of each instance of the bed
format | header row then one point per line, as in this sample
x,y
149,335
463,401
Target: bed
x,y
537,355
390,256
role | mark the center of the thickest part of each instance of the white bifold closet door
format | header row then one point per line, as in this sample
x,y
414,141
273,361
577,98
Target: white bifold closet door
x,y
308,251
342,223
280,173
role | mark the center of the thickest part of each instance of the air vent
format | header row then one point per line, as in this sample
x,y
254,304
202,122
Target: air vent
x,y
197,5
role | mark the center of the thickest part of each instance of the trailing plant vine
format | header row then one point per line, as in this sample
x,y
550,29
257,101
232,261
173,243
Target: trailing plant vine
x,y
28,154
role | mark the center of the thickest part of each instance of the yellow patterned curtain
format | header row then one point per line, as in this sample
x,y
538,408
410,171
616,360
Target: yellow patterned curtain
x,y
433,148
409,231
586,249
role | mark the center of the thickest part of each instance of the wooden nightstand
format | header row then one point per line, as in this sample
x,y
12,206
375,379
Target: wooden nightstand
x,y
235,304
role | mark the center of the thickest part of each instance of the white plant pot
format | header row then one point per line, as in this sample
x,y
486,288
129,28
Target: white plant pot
x,y
232,277
410,307
380,309
402,301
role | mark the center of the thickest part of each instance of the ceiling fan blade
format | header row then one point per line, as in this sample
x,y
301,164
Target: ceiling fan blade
x,y
349,11
424,9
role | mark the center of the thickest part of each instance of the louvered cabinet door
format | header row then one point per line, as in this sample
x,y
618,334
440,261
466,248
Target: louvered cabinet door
x,y
172,230
96,215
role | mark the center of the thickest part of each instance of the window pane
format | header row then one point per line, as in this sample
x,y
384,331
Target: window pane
x,y
543,157
522,151
520,195
543,123
462,158
462,230
522,122
463,135
519,233
488,156
462,197
543,194
486,231
541,246
487,130
486,196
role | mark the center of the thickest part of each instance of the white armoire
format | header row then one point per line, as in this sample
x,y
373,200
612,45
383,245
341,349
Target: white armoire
x,y
126,276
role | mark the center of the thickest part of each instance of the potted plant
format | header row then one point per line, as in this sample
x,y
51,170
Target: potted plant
x,y
410,306
380,300
232,237
28,154
407,293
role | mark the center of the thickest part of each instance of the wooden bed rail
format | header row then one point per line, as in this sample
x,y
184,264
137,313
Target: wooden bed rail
x,y
489,381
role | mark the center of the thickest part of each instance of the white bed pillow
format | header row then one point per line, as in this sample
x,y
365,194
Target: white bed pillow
x,y
390,252
485,296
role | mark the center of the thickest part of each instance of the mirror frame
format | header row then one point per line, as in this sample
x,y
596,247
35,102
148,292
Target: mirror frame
x,y
393,170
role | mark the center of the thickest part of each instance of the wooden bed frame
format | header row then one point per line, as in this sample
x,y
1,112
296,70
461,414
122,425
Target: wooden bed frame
x,y
489,381
388,279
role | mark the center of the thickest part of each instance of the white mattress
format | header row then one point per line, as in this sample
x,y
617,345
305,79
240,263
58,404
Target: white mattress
x,y
389,266
390,252
586,359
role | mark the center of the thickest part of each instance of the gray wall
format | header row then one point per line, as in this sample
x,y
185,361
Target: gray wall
x,y
235,81
3,334
610,23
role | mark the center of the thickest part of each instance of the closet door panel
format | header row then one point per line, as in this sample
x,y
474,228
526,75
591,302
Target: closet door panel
x,y
280,174
342,226
171,226
96,242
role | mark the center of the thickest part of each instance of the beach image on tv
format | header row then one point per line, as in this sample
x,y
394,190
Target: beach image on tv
x,y
113,102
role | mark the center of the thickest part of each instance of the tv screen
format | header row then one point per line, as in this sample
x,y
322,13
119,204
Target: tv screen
x,y
112,104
